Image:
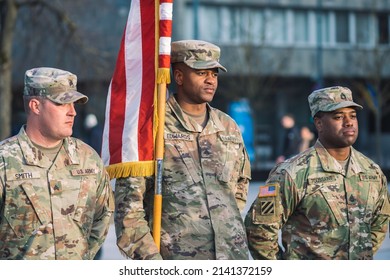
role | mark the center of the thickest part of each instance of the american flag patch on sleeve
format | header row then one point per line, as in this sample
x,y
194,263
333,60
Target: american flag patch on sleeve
x,y
268,190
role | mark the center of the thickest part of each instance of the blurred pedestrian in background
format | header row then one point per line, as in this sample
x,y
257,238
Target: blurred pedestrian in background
x,y
55,197
292,138
94,132
331,201
307,138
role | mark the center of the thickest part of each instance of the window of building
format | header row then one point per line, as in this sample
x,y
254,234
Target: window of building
x,y
363,28
301,26
231,24
247,25
236,24
342,27
323,21
275,26
383,28
209,30
254,28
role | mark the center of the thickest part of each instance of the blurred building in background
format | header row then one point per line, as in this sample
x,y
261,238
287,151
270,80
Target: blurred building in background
x,y
276,53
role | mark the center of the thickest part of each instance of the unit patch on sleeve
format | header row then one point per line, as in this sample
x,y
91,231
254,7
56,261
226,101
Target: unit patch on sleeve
x,y
267,207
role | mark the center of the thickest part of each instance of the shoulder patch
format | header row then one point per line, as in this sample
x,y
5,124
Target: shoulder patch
x,y
268,190
267,207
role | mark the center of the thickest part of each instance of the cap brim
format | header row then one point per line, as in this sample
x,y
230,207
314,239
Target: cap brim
x,y
340,105
204,65
68,97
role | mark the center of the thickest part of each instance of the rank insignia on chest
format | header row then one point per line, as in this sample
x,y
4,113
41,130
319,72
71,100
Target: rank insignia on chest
x,y
268,190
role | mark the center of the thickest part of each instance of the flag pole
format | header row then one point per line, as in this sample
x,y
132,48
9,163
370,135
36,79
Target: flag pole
x,y
157,209
164,14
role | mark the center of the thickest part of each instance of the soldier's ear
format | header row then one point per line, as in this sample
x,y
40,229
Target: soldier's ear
x,y
34,105
318,123
178,76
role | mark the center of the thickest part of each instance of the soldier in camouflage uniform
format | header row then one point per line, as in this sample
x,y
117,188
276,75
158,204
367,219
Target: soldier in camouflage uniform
x,y
55,197
206,173
330,201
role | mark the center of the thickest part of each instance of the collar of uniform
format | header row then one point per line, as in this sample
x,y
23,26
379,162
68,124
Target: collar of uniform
x,y
330,164
34,157
70,146
213,124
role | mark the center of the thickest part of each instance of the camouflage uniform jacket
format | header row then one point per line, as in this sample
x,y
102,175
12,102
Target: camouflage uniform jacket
x,y
206,175
58,210
322,211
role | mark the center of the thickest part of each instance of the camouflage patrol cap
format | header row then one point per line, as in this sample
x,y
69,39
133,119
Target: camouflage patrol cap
x,y
330,99
196,54
56,85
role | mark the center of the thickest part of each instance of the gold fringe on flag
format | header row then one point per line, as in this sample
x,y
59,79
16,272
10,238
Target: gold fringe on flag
x,y
163,76
131,169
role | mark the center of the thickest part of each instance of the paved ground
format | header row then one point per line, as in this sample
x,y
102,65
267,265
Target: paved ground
x,y
110,251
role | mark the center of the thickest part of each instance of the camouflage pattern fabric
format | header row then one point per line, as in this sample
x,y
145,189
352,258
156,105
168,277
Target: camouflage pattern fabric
x,y
55,84
330,99
205,184
323,212
196,54
52,210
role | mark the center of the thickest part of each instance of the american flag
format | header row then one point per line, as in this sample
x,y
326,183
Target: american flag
x,y
268,190
129,135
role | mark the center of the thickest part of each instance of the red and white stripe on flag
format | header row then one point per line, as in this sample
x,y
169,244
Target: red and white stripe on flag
x,y
164,51
128,137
